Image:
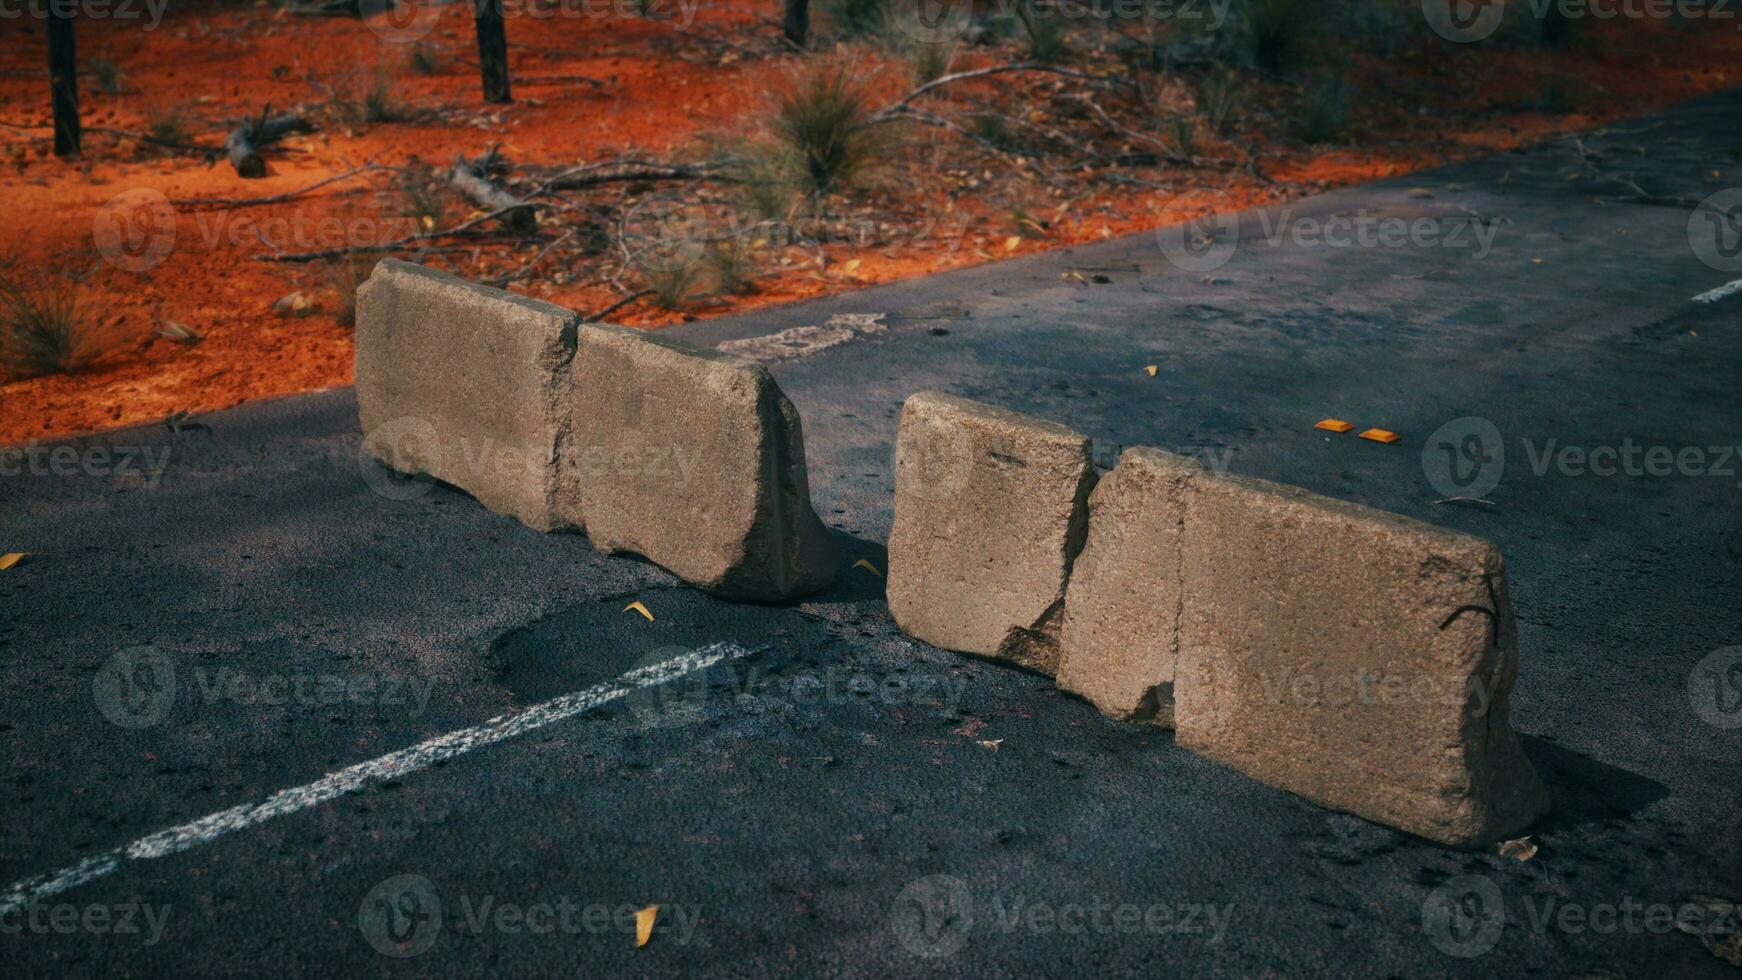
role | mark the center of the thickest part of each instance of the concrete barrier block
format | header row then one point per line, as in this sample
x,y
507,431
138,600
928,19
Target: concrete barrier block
x,y
1121,634
695,460
1360,659
990,512
466,384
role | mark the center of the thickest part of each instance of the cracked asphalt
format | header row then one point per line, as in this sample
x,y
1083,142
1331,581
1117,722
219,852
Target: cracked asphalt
x,y
844,801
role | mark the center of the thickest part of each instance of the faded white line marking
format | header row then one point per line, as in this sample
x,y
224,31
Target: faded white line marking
x,y
390,766
805,341
1714,295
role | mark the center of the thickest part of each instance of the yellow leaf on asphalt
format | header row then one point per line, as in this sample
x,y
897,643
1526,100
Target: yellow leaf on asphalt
x,y
862,563
11,558
1522,849
1150,369
644,925
639,607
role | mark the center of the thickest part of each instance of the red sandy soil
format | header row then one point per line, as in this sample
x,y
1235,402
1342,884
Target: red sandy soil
x,y
661,93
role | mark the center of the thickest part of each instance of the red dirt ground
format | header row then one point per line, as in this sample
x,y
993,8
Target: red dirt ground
x,y
661,92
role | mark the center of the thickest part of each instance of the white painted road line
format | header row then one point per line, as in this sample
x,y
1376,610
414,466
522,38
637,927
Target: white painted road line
x,y
1714,295
390,766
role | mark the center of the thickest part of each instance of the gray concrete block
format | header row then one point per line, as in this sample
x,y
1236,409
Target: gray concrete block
x,y
467,384
1360,659
695,460
990,512
1121,634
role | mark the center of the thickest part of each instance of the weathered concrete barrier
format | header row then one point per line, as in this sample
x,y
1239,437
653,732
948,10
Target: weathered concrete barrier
x,y
990,512
1360,659
695,460
467,384
1121,632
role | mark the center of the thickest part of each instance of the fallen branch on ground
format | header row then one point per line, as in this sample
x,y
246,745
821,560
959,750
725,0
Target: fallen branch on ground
x,y
223,203
468,177
244,141
896,109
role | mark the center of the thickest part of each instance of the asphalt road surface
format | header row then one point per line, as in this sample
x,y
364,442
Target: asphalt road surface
x,y
236,619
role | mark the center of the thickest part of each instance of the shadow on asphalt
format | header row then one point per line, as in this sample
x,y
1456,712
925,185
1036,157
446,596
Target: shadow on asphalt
x,y
1584,791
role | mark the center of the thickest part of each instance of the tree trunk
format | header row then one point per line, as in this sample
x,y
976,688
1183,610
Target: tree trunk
x,y
63,80
798,21
492,49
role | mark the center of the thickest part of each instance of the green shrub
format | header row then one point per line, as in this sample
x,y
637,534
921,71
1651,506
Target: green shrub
x,y
823,122
1045,38
423,60
931,61
342,279
1219,98
44,331
167,123
106,74
733,266
671,283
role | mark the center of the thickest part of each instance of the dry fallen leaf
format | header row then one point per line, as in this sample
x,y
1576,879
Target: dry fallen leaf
x,y
294,304
1521,849
1012,243
644,925
11,558
639,607
1150,369
181,333
862,563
